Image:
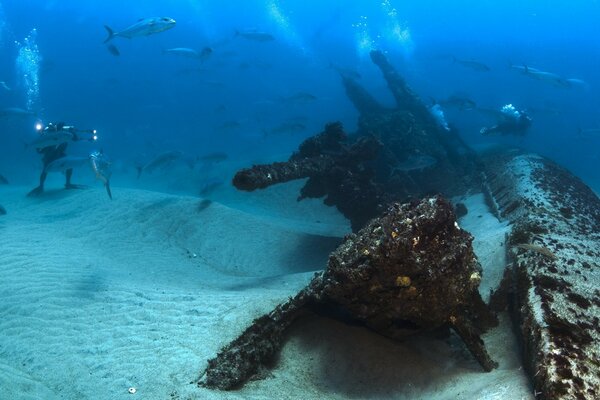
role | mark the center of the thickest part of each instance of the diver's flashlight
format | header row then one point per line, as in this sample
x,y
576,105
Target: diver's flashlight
x,y
39,126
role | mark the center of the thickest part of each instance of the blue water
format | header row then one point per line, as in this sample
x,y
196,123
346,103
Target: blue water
x,y
143,101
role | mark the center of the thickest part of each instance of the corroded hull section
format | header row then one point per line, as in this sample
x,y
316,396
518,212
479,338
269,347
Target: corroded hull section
x,y
554,249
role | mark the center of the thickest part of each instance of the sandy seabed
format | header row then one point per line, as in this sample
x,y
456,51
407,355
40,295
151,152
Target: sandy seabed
x,y
98,296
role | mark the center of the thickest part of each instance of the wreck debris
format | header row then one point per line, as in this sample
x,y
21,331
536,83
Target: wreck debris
x,y
556,297
409,271
397,154
335,169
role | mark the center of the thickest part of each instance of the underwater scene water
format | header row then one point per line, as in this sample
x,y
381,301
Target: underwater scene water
x,y
172,171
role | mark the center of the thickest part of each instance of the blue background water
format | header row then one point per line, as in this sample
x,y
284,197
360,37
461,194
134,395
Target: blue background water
x,y
143,101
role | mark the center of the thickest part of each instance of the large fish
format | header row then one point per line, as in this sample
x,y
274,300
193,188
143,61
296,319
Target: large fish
x,y
51,139
454,101
67,162
101,168
474,65
143,27
544,76
16,112
161,161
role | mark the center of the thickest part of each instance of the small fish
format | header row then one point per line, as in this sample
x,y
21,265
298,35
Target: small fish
x,y
143,27
2,210
461,103
345,72
210,187
67,162
161,161
101,168
415,163
205,53
112,49
300,97
3,180
216,157
182,51
588,132
286,127
253,34
4,86
474,65
229,125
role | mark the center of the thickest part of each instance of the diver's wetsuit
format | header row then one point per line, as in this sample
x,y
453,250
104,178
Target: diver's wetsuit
x,y
50,154
514,124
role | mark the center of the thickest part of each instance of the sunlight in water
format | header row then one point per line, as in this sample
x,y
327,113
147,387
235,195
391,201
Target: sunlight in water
x,y
364,41
2,25
283,23
28,68
396,32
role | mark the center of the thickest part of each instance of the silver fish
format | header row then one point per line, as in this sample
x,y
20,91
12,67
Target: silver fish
x,y
183,51
257,36
67,162
415,163
474,65
101,168
544,76
50,139
143,27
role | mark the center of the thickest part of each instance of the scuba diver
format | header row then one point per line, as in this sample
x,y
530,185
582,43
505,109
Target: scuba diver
x,y
512,122
52,144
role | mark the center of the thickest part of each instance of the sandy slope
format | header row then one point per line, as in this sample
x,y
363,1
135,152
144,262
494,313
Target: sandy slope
x,y
99,296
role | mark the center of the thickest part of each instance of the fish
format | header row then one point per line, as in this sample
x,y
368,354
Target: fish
x,y
50,139
345,72
461,103
229,125
67,162
300,97
415,163
3,180
102,170
216,157
160,161
544,76
256,35
4,86
588,132
286,127
2,210
574,82
210,187
144,27
16,112
190,53
474,65
183,51
112,49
